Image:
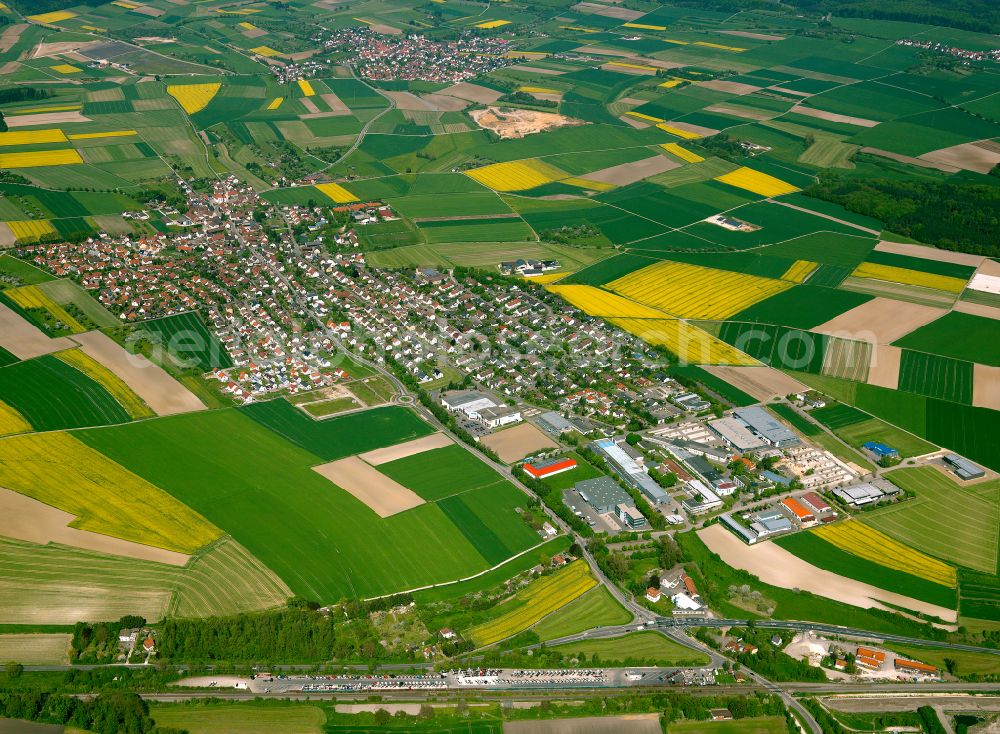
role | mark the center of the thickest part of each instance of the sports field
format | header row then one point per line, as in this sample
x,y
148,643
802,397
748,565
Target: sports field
x,y
259,487
957,524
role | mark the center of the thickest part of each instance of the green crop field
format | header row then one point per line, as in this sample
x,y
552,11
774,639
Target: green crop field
x,y
55,584
185,336
962,663
635,648
52,395
246,718
440,473
954,523
596,608
339,437
759,725
261,489
978,342
813,549
22,272
936,377
804,306
979,595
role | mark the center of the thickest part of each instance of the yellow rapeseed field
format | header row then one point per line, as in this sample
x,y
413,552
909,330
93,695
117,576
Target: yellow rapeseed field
x,y
671,83
627,65
30,296
644,116
905,276
866,542
265,51
11,421
645,27
757,182
32,137
337,192
538,90
683,153
799,271
40,158
307,88
61,471
275,103
111,382
688,342
594,301
125,4
679,132
546,278
66,69
109,134
49,108
492,24
696,292
516,175
29,230
706,44
540,599
54,17
194,97
247,26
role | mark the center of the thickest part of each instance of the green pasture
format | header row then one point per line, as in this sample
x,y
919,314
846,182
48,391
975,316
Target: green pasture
x,y
635,648
440,473
596,608
186,337
958,335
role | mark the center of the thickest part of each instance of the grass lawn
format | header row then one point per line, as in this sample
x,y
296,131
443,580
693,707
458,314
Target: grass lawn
x,y
596,608
242,718
761,725
374,390
584,470
966,663
330,407
635,648
945,520
25,273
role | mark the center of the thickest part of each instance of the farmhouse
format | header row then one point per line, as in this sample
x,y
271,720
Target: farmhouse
x,y
653,594
550,467
603,494
964,468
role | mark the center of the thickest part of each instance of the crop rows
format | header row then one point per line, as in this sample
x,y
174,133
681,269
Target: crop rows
x,y
111,382
894,274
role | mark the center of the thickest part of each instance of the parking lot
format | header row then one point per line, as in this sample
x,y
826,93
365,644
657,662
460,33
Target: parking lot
x,y
600,523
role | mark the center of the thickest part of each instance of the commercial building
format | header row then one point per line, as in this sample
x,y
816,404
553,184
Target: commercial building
x,y
737,434
770,522
629,515
767,427
629,470
748,536
603,494
501,415
815,503
552,422
468,402
797,511
912,667
550,467
879,451
701,498
964,468
859,495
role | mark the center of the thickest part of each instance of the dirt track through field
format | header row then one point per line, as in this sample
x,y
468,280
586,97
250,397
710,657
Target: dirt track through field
x,y
161,392
25,518
776,566
382,495
402,450
515,443
880,320
761,382
24,340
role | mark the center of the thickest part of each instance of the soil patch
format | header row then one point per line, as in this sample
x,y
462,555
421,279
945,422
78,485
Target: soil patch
x,y
7,237
704,132
309,105
968,157
880,321
517,123
721,85
382,495
402,450
930,253
46,50
833,116
608,12
47,118
25,518
409,101
761,382
755,36
884,368
515,443
986,386
627,173
25,340
335,103
776,566
11,35
472,93
978,309
634,122
919,162
628,724
743,112
161,392
444,103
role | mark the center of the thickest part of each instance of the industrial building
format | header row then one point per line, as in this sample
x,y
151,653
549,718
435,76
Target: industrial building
x,y
501,415
552,422
815,503
702,499
629,515
603,494
736,433
859,495
550,467
879,451
798,512
630,470
767,427
468,402
964,468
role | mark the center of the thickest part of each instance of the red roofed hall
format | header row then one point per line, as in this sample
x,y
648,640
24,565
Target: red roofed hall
x,y
796,508
542,469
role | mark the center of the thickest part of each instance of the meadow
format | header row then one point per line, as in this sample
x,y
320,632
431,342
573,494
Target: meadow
x,y
979,595
244,718
636,648
978,342
760,725
956,524
596,608
440,473
261,489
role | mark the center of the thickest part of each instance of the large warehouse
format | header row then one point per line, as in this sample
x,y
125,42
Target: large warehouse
x,y
603,494
765,425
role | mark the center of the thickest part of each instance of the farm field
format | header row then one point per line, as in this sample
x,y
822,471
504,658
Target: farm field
x,y
761,725
595,608
966,535
220,718
249,480
186,337
35,649
651,647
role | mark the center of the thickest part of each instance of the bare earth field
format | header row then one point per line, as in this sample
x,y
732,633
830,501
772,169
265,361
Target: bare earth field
x,y
444,103
755,36
25,340
921,162
761,382
880,321
721,85
884,369
628,724
776,566
402,450
978,309
930,253
986,386
626,173
25,518
161,392
309,105
634,122
705,132
7,237
516,123
515,443
47,118
472,93
335,103
409,101
888,702
968,157
608,12
833,116
382,495
744,112
11,35
35,649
